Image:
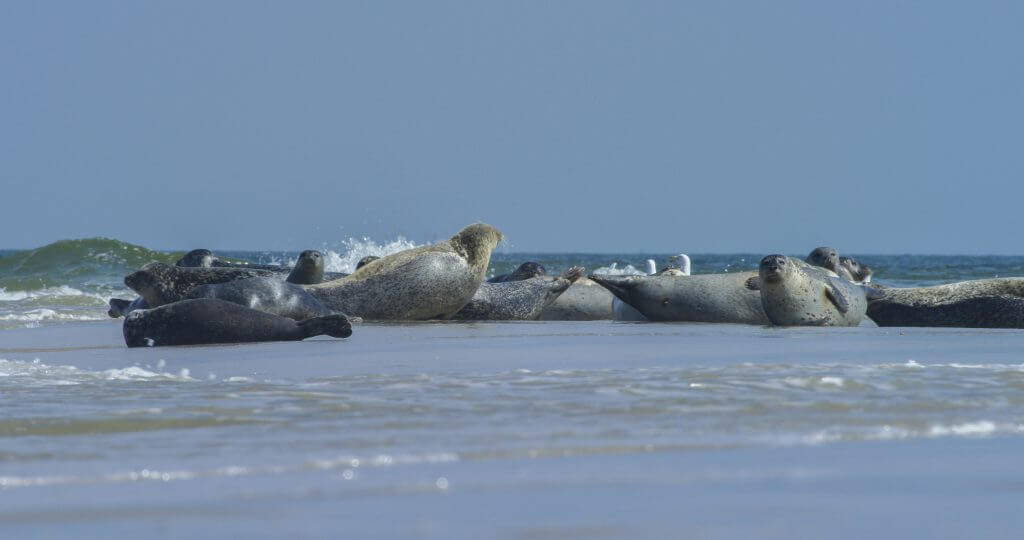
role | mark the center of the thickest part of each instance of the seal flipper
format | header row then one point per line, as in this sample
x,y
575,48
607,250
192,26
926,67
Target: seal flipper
x,y
336,325
838,299
872,293
754,283
118,307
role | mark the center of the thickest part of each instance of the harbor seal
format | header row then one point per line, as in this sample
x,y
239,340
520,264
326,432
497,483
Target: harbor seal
x,y
429,282
583,301
160,283
828,258
205,320
1000,311
526,270
270,295
861,272
794,293
960,304
308,269
712,298
517,300
365,261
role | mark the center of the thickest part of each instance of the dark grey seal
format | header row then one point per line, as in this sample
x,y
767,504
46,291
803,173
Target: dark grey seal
x,y
270,295
981,303
795,293
526,270
521,300
203,321
121,308
713,298
429,282
308,269
160,283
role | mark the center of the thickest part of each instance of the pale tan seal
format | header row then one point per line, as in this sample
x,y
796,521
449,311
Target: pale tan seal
x,y
794,293
429,282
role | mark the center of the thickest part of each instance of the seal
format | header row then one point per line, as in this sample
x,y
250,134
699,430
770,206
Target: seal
x,y
205,320
861,272
828,258
712,298
121,308
794,293
160,283
622,311
309,268
365,261
428,282
526,270
197,258
962,304
584,301
270,295
518,300
999,311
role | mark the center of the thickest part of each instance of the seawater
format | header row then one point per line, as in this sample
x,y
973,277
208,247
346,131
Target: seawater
x,y
506,430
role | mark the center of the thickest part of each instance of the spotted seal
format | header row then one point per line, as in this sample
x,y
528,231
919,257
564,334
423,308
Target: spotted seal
x,y
270,295
308,269
980,303
205,320
861,272
160,283
713,298
526,270
794,293
517,300
429,282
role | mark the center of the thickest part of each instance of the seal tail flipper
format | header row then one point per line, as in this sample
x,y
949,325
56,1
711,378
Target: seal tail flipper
x,y
118,307
617,285
336,325
573,273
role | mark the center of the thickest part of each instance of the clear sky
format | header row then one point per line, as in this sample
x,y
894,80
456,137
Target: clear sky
x,y
874,127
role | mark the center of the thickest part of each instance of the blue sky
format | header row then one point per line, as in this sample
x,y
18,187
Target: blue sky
x,y
875,127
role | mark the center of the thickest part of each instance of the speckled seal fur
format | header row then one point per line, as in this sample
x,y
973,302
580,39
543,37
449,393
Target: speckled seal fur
x,y
794,293
160,283
205,320
516,300
429,282
981,303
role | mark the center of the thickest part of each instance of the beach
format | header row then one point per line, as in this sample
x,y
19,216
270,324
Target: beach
x,y
516,430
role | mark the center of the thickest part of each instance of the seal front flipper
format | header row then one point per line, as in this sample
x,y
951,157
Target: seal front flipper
x,y
754,283
336,325
838,299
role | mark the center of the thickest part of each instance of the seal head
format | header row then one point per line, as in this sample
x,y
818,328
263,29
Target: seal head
x,y
309,268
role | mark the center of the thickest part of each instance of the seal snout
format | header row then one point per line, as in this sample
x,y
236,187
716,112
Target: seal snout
x,y
772,267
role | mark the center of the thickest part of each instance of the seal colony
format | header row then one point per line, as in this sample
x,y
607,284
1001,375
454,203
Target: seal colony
x,y
205,299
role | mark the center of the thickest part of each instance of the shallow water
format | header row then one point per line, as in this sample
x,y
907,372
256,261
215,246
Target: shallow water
x,y
508,430
451,429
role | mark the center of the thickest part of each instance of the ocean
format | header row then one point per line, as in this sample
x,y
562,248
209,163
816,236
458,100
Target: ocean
x,y
503,430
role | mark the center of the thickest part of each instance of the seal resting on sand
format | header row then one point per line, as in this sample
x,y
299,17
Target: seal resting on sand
x,y
429,282
714,298
518,300
202,321
794,293
980,303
